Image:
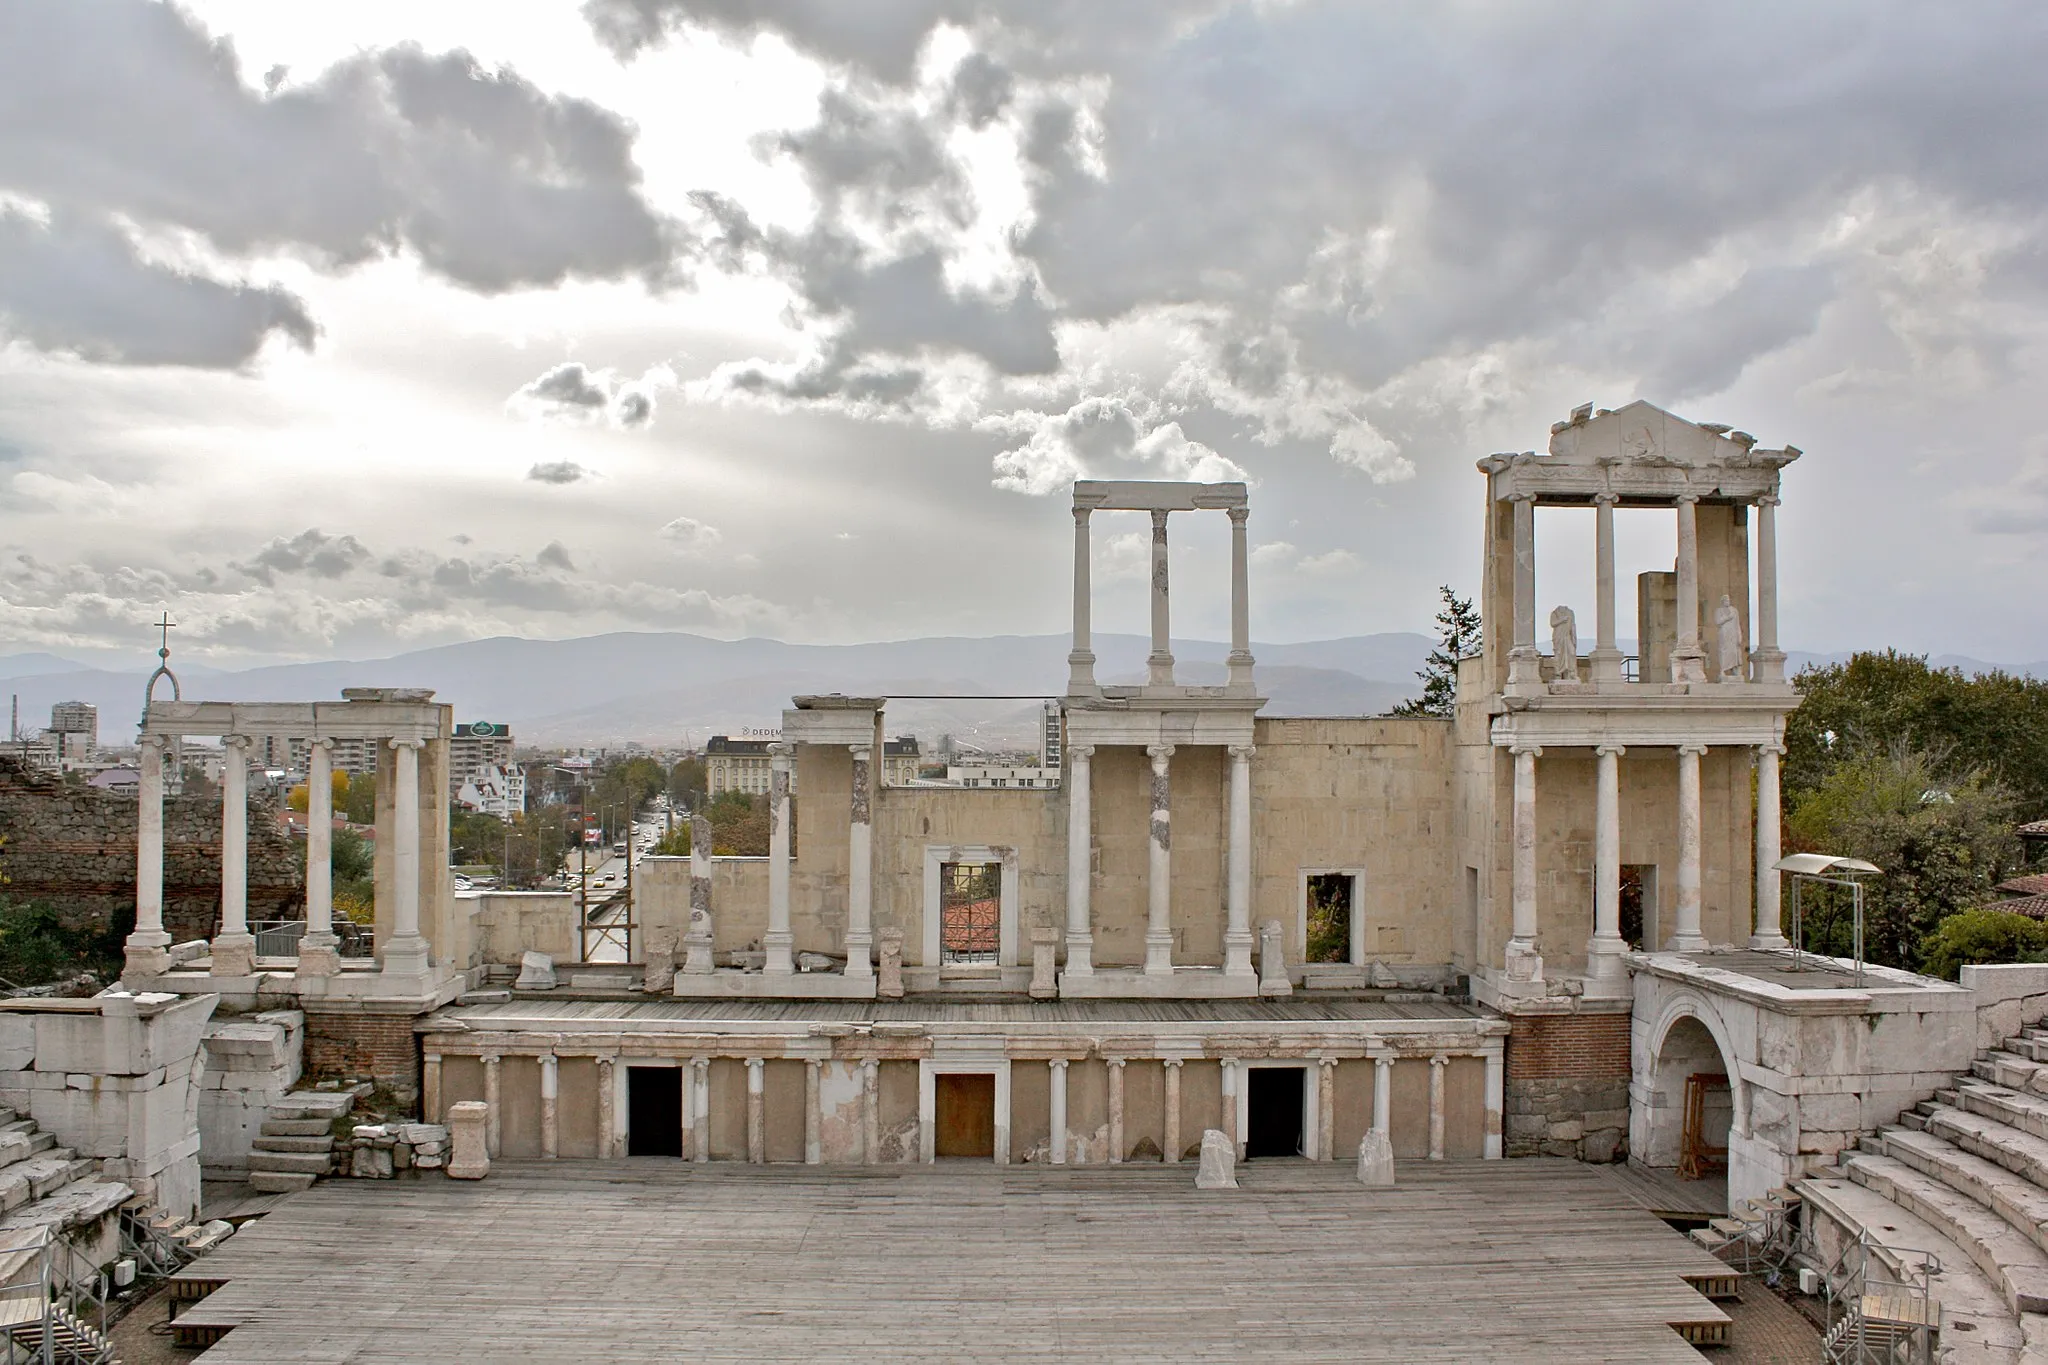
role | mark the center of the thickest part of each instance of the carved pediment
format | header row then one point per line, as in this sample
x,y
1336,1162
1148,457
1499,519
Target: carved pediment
x,y
1644,434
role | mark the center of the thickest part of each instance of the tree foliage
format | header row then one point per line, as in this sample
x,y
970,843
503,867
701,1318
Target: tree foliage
x,y
1976,936
1458,637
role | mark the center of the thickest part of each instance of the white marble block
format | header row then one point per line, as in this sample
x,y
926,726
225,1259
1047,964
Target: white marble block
x,y
467,1122
1375,1161
1218,1170
536,972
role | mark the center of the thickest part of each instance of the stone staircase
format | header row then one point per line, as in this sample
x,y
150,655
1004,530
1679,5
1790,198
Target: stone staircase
x,y
295,1145
43,1185
1965,1178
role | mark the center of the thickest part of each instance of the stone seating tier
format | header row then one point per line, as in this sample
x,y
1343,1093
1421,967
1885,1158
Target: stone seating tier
x,y
44,1185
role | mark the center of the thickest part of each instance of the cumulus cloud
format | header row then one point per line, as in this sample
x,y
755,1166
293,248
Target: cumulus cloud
x,y
558,472
691,536
1096,436
572,392
311,552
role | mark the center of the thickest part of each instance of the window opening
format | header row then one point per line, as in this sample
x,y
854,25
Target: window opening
x,y
1638,901
1329,916
970,912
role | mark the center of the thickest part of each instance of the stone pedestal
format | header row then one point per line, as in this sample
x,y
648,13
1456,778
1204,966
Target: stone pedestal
x,y
468,1127
1218,1170
1376,1160
319,955
661,961
234,954
1273,961
889,973
1045,942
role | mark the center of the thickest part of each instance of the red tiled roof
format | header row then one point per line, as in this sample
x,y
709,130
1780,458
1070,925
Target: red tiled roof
x,y
2033,907
2037,828
2033,884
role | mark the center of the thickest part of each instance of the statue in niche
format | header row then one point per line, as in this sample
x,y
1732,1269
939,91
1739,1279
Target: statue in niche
x,y
1730,658
1564,645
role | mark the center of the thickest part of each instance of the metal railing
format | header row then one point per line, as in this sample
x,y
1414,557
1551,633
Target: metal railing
x,y
1878,1314
280,937
53,1302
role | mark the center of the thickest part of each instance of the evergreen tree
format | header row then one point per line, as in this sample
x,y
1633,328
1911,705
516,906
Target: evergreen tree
x,y
1457,628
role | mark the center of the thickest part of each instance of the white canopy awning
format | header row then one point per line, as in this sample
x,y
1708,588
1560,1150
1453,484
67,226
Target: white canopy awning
x,y
1816,864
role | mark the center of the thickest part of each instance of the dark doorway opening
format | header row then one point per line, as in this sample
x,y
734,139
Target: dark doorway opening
x,y
1272,1124
654,1111
1638,904
1329,916
964,1117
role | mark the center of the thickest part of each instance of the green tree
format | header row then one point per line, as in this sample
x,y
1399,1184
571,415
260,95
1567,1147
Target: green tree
x,y
353,860
1458,637
739,825
359,803
686,783
675,843
1976,936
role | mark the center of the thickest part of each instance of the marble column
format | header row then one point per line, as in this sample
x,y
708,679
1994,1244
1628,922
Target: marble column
x,y
1688,660
607,1109
1159,867
1326,1109
1237,930
813,1120
494,1101
407,951
430,1087
1606,653
1496,1102
1525,662
1603,953
1057,1140
1080,859
1231,1077
1523,962
551,1106
1769,932
1767,657
776,941
1171,1126
319,953
1116,1110
1159,664
757,1111
860,868
1081,659
870,1112
234,947
1383,1093
1436,1105
1240,662
1687,937
147,948
702,1122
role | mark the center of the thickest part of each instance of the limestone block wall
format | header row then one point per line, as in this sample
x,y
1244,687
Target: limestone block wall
x,y
249,1062
910,820
505,924
117,1079
73,848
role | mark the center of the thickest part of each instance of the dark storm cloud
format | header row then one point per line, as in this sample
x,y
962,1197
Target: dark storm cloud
x,y
125,109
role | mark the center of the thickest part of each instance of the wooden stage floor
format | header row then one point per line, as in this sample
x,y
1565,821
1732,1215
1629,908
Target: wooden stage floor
x,y
650,1259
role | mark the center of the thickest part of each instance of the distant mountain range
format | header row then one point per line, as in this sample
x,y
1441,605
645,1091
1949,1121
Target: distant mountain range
x,y
663,688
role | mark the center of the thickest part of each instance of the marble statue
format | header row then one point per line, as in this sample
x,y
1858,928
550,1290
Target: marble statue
x,y
1729,656
1564,645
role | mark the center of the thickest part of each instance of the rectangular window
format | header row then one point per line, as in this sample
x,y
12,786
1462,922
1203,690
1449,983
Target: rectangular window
x,y
1639,905
970,912
1329,916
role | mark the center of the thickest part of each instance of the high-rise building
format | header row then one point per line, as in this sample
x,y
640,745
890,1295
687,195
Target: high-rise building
x,y
478,744
75,728
1049,743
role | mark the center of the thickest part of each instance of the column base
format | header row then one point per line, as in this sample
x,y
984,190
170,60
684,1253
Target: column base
x,y
1603,956
1769,665
1240,675
859,955
1159,671
1525,665
1237,954
148,956
697,955
1607,665
319,955
1522,962
1081,674
1688,666
234,954
1159,954
406,955
1765,942
779,961
1686,943
1080,955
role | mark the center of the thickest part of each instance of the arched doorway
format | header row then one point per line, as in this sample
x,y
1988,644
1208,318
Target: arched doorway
x,y
1693,1104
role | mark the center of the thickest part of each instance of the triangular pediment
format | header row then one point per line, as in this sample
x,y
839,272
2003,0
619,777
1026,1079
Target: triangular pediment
x,y
1643,433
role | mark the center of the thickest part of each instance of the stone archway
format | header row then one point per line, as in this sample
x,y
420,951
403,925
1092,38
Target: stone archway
x,y
1687,1041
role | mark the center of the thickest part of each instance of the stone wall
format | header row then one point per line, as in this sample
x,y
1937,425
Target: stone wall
x,y
73,848
251,1062
1567,1085
365,1040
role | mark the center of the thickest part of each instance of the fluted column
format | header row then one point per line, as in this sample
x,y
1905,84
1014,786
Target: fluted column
x,y
1383,1093
813,1119
1687,937
607,1109
1326,1109
551,1106
702,1121
407,951
1159,664
1496,1102
1080,859
147,947
1606,654
860,868
1688,660
1159,867
776,942
1171,1126
1436,1105
1116,1109
757,1111
1603,953
494,1101
1769,932
1240,662
1081,659
1522,960
1231,1077
1767,657
1237,930
1057,1141
234,947
318,948
1524,661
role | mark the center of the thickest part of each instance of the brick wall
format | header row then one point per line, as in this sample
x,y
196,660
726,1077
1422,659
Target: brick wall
x,y
1567,1086
72,847
358,1044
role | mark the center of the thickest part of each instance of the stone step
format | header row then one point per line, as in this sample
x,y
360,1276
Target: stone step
x,y
75,1205
2013,1148
2029,1113
297,1128
20,1141
280,1182
2007,1257
2023,1207
2029,1043
268,1143
325,1105
1982,1327
303,1163
38,1177
2009,1068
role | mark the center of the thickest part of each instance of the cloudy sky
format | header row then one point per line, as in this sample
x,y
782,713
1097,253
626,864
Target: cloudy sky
x,y
339,328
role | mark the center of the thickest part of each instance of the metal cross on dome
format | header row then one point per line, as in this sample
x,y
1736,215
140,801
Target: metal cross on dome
x,y
167,625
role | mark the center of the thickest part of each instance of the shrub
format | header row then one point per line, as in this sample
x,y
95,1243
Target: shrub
x,y
1977,936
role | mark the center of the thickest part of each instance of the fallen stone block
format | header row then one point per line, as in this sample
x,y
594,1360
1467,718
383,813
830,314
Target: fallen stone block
x,y
536,972
1375,1161
1218,1170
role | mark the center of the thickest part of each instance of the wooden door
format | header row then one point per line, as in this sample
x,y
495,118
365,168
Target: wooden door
x,y
965,1121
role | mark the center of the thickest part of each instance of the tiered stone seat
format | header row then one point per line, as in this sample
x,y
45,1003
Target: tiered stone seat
x,y
296,1144
44,1185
